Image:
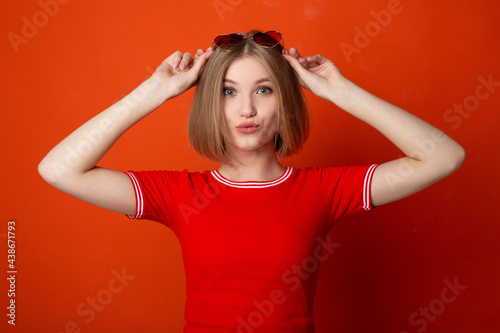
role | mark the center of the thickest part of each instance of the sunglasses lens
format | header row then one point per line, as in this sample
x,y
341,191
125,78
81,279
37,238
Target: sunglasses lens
x,y
226,41
267,39
275,35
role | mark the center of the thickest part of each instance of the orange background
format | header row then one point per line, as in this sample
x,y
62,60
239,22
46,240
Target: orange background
x,y
86,55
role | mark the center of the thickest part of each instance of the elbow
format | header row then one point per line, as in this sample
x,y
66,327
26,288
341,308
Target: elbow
x,y
455,159
459,157
43,170
49,171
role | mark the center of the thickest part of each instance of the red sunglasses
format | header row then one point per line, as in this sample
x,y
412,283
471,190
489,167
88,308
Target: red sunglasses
x,y
268,39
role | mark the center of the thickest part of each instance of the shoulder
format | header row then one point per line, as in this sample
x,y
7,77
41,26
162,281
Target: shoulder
x,y
337,173
169,176
170,173
331,170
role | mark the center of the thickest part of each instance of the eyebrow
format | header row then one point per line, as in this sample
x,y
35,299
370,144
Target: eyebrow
x,y
264,79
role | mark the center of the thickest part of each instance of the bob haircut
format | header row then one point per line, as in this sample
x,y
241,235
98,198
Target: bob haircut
x,y
206,124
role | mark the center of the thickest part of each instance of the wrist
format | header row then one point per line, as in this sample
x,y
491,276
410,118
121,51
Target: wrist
x,y
156,89
342,94
144,99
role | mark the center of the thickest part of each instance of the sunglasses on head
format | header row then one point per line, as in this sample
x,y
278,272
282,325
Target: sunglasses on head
x,y
268,39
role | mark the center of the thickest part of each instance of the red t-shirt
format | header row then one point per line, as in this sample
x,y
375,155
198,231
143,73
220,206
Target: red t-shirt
x,y
252,250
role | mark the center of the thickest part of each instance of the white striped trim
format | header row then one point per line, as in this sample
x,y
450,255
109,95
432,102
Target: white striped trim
x,y
139,206
252,184
367,187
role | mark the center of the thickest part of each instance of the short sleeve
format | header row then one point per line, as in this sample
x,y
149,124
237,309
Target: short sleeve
x,y
156,194
347,189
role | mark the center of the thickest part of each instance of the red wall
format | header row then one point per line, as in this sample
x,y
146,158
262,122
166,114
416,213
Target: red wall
x,y
395,267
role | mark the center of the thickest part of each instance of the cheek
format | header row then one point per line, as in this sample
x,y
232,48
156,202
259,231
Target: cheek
x,y
268,107
229,106
226,110
273,114
271,124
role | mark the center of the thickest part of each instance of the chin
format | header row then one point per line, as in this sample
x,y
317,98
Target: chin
x,y
253,147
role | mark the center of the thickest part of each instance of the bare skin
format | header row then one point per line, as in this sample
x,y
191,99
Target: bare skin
x,y
71,165
430,154
249,98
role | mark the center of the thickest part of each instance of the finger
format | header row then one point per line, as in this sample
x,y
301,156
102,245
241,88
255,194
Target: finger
x,y
318,58
295,53
174,59
186,58
308,62
199,52
312,61
200,62
296,65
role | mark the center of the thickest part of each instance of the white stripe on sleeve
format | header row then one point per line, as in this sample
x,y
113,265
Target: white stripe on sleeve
x,y
367,187
138,197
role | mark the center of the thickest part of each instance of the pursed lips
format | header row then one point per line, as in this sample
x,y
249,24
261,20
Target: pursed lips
x,y
247,125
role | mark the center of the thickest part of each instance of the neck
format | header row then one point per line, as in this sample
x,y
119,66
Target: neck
x,y
252,166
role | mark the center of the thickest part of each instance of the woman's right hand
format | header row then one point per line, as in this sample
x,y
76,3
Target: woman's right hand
x,y
71,165
180,72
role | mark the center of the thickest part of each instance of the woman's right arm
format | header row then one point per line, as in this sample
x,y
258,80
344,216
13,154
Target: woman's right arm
x,y
71,165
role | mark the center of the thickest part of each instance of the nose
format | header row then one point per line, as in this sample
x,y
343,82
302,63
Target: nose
x,y
248,108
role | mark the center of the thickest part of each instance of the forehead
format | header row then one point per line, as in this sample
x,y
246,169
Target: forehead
x,y
246,69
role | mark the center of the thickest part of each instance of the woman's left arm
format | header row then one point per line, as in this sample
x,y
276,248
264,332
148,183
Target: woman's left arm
x,y
431,155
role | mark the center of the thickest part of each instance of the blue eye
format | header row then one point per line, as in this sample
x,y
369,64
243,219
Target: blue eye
x,y
264,90
229,92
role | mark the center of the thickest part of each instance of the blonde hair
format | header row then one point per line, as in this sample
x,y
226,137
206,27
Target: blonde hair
x,y
206,125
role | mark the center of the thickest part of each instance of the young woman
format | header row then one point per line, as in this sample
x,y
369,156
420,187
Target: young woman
x,y
253,231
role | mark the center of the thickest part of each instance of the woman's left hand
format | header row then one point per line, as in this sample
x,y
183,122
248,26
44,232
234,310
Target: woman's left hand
x,y
316,73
